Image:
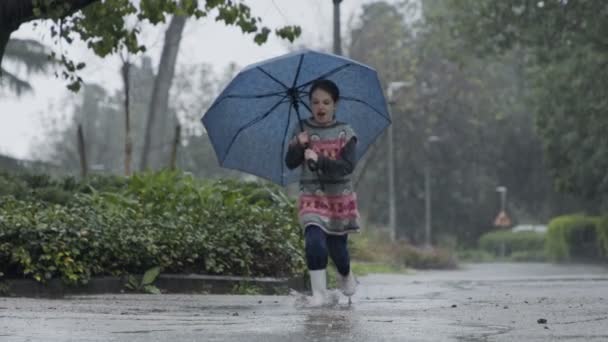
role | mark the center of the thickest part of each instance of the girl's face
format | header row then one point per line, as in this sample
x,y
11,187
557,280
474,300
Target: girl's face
x,y
323,106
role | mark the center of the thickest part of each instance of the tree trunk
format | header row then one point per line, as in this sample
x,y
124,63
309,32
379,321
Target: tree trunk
x,y
159,102
128,141
176,140
13,13
84,168
4,37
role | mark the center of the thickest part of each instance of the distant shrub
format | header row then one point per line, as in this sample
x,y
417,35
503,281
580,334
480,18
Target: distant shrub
x,y
602,234
377,248
573,237
504,243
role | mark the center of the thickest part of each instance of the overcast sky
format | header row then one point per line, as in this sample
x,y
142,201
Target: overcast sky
x,y
205,41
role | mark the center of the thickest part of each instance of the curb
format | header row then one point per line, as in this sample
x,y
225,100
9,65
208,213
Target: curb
x,y
167,283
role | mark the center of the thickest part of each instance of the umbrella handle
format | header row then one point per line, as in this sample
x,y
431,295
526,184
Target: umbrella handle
x,y
312,165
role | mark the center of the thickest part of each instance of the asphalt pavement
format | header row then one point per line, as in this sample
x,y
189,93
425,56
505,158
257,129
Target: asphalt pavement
x,y
479,302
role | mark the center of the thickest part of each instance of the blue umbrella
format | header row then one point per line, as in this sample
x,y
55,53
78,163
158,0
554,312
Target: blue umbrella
x,y
253,119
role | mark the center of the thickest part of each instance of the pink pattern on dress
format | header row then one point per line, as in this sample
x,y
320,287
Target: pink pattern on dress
x,y
329,148
330,207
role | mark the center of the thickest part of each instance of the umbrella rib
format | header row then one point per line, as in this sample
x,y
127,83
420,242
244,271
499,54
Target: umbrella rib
x,y
327,74
354,100
239,96
305,105
251,123
295,79
346,98
272,77
283,148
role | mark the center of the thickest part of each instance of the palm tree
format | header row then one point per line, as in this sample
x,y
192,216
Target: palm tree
x,y
27,53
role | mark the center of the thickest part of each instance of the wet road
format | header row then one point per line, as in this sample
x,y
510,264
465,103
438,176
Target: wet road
x,y
484,302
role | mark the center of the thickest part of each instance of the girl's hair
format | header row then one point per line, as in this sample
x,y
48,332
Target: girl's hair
x,y
326,85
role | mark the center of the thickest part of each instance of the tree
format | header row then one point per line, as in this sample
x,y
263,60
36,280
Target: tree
x,y
102,116
159,102
29,53
566,68
102,23
473,105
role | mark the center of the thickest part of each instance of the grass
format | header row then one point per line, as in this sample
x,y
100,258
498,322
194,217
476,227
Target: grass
x,y
365,268
361,269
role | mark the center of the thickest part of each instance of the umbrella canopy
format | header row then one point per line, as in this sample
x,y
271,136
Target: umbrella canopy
x,y
253,119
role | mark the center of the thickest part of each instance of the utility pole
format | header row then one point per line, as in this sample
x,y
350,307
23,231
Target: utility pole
x,y
392,206
427,192
337,36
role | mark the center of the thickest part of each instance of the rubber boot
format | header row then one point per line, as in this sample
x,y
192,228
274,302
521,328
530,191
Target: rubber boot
x,y
320,295
347,284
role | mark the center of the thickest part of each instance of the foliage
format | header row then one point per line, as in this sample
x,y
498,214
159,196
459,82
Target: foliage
x,y
246,289
145,284
474,105
376,248
474,255
505,243
365,268
529,256
103,124
166,219
28,53
573,237
565,45
602,235
106,26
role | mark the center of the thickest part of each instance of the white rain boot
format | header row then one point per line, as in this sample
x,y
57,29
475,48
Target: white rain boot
x,y
347,284
320,295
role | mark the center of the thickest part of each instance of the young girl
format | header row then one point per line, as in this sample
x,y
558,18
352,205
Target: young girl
x,y
325,150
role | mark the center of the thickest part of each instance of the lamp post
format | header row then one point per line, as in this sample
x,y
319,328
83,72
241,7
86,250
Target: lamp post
x,y
502,220
503,197
392,209
337,37
427,193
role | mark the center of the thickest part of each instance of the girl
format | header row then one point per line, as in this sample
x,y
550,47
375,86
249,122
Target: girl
x,y
325,150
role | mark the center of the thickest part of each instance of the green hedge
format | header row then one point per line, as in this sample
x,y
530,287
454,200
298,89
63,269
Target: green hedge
x,y
574,237
505,243
602,235
112,226
377,248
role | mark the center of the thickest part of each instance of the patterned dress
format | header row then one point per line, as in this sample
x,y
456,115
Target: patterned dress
x,y
327,197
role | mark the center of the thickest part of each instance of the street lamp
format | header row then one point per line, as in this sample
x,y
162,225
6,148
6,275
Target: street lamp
x,y
503,197
427,193
392,210
502,220
337,38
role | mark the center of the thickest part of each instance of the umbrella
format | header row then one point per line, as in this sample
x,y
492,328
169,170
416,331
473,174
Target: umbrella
x,y
253,119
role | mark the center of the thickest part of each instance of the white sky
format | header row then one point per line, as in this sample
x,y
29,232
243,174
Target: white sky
x,y
205,41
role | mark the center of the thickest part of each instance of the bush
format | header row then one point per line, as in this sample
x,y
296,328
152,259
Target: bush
x,y
529,256
377,248
504,243
602,235
573,237
43,188
162,219
475,255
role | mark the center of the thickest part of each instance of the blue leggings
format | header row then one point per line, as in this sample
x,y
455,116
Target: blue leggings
x,y
319,244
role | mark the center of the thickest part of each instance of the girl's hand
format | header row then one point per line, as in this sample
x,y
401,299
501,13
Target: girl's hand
x,y
311,155
303,139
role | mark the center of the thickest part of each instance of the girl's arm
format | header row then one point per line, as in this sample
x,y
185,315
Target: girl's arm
x,y
295,155
343,166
